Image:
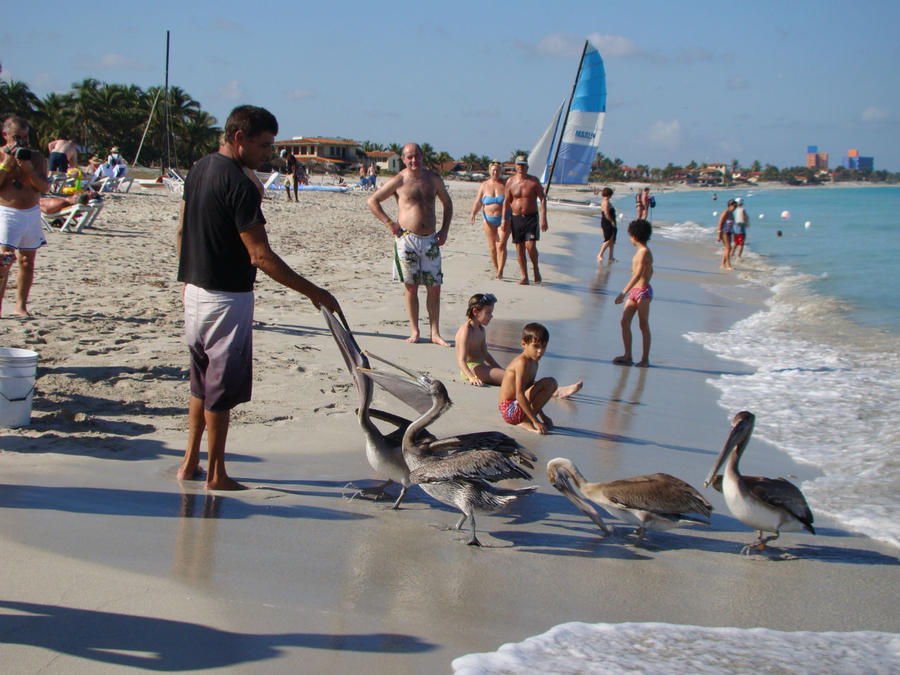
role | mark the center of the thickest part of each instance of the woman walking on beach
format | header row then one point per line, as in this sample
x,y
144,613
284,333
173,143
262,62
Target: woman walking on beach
x,y
726,230
489,200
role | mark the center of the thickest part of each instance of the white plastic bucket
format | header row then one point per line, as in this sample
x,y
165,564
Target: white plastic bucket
x,y
17,372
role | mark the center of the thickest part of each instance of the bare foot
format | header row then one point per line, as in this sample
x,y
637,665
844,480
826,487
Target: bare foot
x,y
523,282
499,275
24,313
414,338
613,260
642,364
438,340
537,277
567,391
225,484
623,361
190,473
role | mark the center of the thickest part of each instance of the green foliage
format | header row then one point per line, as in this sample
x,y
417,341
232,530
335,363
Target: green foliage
x,y
97,116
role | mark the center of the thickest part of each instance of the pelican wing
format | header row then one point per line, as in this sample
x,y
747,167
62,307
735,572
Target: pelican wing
x,y
473,464
781,493
658,493
483,440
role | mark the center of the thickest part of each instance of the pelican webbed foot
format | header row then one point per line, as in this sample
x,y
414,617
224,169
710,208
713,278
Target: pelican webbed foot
x,y
375,493
759,544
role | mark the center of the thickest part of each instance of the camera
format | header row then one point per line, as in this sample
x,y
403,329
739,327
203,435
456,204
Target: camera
x,y
21,152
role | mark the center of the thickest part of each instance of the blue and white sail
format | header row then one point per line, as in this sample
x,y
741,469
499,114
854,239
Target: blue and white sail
x,y
542,154
575,146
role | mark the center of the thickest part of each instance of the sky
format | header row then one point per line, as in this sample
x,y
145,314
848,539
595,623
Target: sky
x,y
695,80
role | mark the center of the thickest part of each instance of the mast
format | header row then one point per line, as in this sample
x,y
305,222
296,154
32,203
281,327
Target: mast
x,y
147,126
569,107
166,120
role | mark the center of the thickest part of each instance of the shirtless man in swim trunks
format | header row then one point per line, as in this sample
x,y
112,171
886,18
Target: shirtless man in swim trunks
x,y
417,253
23,177
523,192
63,156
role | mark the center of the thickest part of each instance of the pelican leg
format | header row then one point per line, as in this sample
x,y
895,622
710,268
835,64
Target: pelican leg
x,y
473,540
400,498
460,522
759,544
641,531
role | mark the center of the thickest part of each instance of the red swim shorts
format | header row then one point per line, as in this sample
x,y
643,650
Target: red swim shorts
x,y
511,412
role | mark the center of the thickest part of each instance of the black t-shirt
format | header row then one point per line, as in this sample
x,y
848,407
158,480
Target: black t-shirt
x,y
220,202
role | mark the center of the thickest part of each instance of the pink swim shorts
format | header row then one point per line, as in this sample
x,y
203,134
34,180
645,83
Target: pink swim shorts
x,y
640,293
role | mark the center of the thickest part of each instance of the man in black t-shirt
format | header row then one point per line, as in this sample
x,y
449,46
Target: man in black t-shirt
x,y
221,243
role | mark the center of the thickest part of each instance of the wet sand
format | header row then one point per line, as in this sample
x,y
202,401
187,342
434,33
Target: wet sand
x,y
110,562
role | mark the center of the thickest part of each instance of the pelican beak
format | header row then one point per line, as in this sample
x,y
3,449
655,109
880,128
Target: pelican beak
x,y
736,441
561,481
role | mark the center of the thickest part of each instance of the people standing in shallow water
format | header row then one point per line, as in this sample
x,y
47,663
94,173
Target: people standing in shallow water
x,y
489,201
476,365
741,221
637,294
607,225
726,232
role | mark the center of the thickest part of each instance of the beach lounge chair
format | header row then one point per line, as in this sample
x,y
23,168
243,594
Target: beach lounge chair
x,y
173,180
73,218
271,190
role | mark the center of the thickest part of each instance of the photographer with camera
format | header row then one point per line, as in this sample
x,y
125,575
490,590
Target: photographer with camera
x,y
23,177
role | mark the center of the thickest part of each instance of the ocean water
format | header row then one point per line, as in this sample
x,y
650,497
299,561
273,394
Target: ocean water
x,y
826,347
825,358
669,649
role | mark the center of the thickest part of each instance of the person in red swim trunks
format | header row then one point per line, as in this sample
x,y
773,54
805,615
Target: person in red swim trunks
x,y
522,400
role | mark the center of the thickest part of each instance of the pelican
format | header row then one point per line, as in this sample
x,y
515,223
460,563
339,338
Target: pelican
x,y
765,504
383,451
655,502
459,470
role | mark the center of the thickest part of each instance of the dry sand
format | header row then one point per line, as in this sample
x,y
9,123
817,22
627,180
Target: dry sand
x,y
109,562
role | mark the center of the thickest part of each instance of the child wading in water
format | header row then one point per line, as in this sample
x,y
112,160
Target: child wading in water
x,y
476,365
522,400
638,292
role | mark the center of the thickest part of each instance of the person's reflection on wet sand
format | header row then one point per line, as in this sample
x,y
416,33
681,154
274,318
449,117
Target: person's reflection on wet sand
x,y
195,542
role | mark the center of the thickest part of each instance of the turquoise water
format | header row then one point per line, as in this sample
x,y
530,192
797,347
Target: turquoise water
x,y
850,249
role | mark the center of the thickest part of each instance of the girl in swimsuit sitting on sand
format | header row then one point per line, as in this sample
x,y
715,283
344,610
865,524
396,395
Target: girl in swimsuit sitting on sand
x,y
476,365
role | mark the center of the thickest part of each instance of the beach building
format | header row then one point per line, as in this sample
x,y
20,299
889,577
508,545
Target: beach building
x,y
854,161
385,160
336,153
816,159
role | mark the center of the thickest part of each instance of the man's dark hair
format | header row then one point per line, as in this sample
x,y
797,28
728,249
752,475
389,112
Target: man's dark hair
x,y
640,229
250,119
535,332
15,120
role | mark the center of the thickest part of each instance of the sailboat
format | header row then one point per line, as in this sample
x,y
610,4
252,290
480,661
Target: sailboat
x,y
565,152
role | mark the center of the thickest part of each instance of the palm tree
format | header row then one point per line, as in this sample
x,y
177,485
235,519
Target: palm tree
x,y
55,118
442,158
16,98
428,155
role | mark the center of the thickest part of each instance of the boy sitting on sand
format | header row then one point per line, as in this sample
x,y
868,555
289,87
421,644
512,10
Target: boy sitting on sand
x,y
639,293
522,399
476,365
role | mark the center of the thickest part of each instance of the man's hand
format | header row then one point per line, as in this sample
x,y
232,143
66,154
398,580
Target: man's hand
x,y
322,297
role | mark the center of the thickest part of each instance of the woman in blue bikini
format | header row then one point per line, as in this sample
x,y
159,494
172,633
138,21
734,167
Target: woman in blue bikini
x,y
489,200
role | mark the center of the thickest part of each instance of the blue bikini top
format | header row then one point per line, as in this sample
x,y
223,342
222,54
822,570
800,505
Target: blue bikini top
x,y
492,200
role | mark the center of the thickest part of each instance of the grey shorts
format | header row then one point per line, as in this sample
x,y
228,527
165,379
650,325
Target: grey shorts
x,y
218,332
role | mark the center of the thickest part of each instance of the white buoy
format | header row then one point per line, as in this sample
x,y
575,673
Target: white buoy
x,y
715,213
785,215
807,224
761,216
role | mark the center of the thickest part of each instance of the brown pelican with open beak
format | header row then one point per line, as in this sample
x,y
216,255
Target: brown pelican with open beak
x,y
765,504
458,471
383,451
655,502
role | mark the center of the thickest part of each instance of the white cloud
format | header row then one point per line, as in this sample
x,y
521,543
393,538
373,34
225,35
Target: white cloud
x,y
560,45
665,135
300,94
737,82
614,45
111,61
875,114
230,91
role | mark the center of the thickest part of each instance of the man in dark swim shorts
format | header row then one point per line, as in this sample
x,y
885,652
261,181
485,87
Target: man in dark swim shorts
x,y
523,192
